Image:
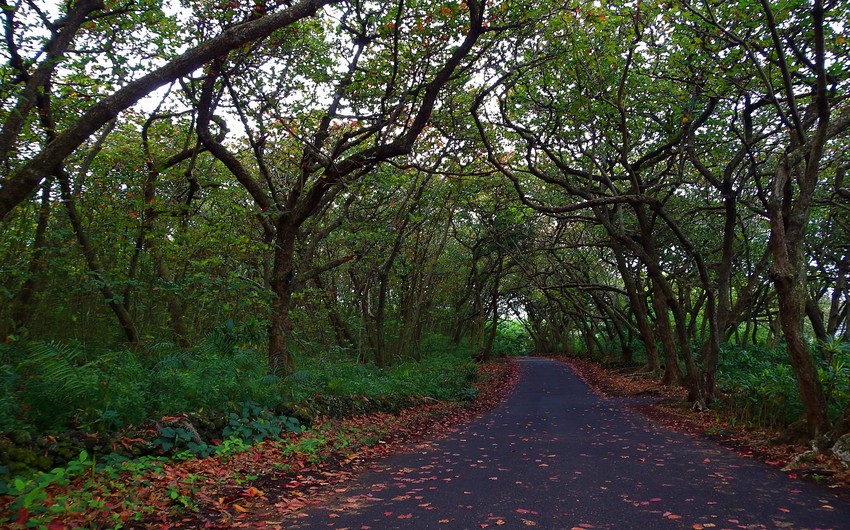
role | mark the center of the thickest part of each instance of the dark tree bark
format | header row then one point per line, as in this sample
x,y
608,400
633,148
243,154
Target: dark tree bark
x,y
22,305
639,309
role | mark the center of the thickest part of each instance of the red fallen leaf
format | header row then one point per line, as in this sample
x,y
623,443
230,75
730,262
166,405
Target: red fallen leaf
x,y
405,516
56,525
333,515
364,527
784,510
524,511
387,514
484,525
23,516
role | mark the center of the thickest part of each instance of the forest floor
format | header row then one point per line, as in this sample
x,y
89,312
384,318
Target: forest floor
x,y
249,485
768,445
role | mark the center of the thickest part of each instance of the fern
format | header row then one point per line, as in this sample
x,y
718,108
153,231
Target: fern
x,y
55,364
173,361
9,400
161,350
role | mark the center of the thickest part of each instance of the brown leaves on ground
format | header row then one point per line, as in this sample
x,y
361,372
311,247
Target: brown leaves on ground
x,y
672,410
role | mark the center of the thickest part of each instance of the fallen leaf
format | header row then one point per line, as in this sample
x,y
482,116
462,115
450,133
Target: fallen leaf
x,y
23,516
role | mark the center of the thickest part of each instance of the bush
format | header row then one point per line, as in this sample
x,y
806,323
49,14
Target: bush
x,y
764,388
170,400
511,339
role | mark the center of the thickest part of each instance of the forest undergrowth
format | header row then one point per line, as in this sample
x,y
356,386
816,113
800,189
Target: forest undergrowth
x,y
134,438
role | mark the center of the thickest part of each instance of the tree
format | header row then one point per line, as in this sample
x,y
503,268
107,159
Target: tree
x,y
23,176
370,118
796,75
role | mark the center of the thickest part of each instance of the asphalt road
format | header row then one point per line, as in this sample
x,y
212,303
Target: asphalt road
x,y
556,456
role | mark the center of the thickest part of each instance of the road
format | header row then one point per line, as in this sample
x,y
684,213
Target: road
x,y
556,456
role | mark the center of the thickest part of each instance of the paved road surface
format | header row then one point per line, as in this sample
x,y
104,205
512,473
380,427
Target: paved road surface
x,y
556,456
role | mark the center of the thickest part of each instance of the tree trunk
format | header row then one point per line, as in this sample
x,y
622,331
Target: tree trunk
x,y
838,291
111,297
344,338
791,303
672,374
787,229
280,358
176,306
639,309
815,316
22,306
487,350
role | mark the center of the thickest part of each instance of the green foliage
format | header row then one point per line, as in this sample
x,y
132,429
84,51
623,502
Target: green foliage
x,y
10,408
763,388
60,388
332,386
835,374
256,423
511,339
55,381
32,490
190,399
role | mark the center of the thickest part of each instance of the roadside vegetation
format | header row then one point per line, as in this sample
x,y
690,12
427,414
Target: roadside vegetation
x,y
81,435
